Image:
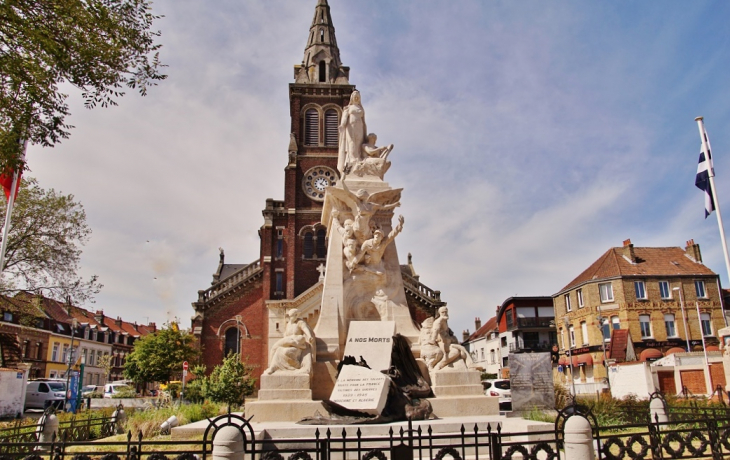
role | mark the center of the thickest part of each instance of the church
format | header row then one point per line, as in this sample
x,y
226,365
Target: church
x,y
244,307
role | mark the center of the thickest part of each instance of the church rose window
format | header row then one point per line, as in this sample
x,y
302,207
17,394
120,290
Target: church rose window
x,y
311,127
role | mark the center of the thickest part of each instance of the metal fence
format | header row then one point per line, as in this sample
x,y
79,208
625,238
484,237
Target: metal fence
x,y
706,436
84,427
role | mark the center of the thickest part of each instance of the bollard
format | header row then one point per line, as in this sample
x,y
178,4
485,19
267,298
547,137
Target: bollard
x,y
578,439
657,412
228,444
168,425
47,430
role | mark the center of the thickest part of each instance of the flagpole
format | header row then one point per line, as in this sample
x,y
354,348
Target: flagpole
x,y
711,174
8,212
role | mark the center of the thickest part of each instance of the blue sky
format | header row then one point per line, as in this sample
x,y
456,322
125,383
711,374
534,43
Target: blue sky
x,y
529,137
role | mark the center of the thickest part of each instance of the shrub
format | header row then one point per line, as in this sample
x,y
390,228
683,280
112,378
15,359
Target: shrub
x,y
230,382
125,393
148,421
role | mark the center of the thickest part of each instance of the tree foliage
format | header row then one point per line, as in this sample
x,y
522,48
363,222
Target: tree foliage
x,y
229,382
47,232
98,46
158,356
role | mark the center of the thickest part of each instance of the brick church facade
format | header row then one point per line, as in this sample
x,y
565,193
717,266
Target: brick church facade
x,y
242,305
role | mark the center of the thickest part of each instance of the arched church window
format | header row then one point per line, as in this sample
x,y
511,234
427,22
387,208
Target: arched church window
x,y
321,35
233,341
331,123
322,71
311,127
308,245
321,243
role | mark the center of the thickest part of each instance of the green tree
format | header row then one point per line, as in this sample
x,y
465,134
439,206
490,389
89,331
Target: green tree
x,y
98,46
47,232
229,382
158,356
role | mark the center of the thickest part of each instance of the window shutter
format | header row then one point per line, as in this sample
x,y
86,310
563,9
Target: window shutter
x,y
331,132
311,127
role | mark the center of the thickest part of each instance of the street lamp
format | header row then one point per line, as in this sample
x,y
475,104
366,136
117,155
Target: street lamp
x,y
601,319
570,357
74,323
684,317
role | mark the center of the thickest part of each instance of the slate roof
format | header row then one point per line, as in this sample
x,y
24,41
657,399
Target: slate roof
x,y
671,261
490,325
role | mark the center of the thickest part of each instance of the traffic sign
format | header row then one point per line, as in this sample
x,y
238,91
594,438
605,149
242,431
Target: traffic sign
x,y
185,365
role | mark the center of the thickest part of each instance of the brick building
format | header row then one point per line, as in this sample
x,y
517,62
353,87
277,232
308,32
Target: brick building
x,y
245,302
43,329
639,304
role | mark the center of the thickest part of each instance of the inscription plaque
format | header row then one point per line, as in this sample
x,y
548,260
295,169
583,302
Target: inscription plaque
x,y
531,381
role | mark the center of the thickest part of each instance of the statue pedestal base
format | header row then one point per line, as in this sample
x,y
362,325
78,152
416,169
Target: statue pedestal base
x,y
283,411
285,386
449,382
464,406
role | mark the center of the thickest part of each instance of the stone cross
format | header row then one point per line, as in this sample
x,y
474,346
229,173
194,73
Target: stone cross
x,y
321,270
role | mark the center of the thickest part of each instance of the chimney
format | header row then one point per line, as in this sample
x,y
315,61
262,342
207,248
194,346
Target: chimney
x,y
477,323
628,250
118,321
99,317
152,326
136,326
693,251
465,335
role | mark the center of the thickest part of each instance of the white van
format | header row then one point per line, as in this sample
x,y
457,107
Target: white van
x,y
110,389
40,394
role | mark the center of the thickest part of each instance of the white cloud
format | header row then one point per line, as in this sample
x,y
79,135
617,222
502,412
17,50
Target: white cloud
x,y
529,138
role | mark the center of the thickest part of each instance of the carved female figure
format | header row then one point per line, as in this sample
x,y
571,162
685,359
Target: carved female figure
x,y
353,132
296,350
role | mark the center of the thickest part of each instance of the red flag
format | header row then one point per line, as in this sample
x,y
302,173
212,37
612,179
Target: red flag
x,y
6,180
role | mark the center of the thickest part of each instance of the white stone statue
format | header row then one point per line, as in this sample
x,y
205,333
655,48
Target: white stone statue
x,y
383,303
349,242
364,205
430,352
353,131
372,250
373,159
296,351
451,351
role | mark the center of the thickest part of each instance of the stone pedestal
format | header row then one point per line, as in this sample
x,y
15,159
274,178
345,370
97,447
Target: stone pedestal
x,y
449,382
285,386
283,411
464,406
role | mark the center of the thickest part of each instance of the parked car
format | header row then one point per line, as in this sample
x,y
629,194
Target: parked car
x,y
87,390
42,393
501,389
110,389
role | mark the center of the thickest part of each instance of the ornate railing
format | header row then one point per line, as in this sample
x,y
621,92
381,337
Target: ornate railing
x,y
234,279
425,293
702,437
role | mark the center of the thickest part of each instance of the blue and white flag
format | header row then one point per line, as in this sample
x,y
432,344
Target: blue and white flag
x,y
702,181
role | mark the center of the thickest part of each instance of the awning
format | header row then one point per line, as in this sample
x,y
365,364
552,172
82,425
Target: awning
x,y
674,350
650,354
583,360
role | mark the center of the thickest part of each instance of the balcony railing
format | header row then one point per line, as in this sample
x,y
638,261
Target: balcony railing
x,y
529,345
524,323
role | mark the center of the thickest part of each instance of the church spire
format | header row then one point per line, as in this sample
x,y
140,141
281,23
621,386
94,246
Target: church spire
x,y
321,63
